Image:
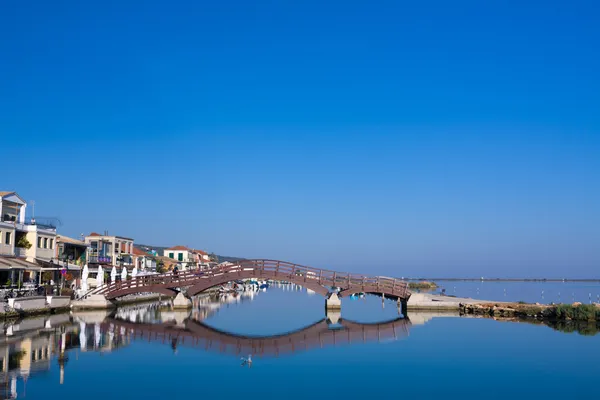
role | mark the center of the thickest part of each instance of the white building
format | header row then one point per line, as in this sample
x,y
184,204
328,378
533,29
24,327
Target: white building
x,y
109,250
186,258
144,261
23,239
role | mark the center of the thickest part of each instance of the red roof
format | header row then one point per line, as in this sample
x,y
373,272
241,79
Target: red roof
x,y
95,234
138,252
179,248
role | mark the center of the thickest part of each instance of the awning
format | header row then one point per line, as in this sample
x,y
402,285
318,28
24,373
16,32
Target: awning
x,y
8,263
48,266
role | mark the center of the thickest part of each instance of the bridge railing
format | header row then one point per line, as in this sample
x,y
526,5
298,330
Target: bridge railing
x,y
263,268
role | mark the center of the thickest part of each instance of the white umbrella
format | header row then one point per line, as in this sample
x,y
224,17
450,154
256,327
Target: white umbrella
x,y
100,276
134,272
113,274
84,278
124,274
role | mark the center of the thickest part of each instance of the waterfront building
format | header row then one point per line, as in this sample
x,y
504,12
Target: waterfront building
x,y
204,261
73,250
144,261
28,238
186,258
107,251
25,243
70,254
189,258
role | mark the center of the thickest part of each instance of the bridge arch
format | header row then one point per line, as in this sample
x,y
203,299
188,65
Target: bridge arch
x,y
224,278
169,292
316,335
367,290
318,280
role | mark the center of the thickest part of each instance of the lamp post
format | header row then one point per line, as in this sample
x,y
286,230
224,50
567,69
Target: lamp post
x,y
63,272
54,273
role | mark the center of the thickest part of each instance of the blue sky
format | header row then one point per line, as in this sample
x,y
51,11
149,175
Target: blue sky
x,y
433,138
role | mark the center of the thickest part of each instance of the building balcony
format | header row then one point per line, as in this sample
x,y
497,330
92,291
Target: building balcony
x,y
97,259
6,251
29,224
20,252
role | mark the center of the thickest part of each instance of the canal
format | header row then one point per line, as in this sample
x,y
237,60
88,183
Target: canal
x,y
369,350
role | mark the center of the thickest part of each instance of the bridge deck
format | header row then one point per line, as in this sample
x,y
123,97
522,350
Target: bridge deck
x,y
319,280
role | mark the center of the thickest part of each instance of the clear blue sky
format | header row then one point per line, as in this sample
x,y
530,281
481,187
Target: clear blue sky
x,y
430,137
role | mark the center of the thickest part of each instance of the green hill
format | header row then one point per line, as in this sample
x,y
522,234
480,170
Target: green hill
x,y
160,249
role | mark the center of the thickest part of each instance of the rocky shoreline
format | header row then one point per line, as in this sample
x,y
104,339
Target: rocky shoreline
x,y
562,312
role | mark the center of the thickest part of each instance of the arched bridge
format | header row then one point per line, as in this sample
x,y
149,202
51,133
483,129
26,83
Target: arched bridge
x,y
317,335
318,280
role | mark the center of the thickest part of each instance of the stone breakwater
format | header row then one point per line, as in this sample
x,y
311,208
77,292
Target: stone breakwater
x,y
564,312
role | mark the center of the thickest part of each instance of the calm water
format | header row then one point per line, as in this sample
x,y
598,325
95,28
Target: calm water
x,y
530,292
371,351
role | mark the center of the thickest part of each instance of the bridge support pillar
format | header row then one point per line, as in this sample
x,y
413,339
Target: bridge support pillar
x,y
94,301
402,305
333,316
180,301
333,302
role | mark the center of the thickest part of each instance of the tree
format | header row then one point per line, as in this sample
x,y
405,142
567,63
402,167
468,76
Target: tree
x,y
160,267
23,243
46,276
213,257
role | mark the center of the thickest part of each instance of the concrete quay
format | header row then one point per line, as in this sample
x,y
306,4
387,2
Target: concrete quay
x,y
99,302
428,301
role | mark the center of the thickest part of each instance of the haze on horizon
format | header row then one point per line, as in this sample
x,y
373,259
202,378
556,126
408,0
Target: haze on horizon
x,y
430,138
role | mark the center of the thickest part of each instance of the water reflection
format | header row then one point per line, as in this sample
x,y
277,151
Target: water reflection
x,y
322,333
29,346
34,346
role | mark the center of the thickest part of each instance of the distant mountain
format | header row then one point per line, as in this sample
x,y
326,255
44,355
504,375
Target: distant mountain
x,y
160,250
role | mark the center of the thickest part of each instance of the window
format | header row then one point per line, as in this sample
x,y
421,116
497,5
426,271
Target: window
x,y
51,243
171,255
45,243
7,238
180,256
39,243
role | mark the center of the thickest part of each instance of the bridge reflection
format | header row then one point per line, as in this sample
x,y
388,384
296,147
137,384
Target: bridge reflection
x,y
321,334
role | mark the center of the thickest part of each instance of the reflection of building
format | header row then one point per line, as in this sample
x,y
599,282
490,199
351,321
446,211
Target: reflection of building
x,y
36,345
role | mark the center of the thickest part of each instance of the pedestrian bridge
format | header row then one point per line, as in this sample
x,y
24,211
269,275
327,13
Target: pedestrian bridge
x,y
321,281
318,335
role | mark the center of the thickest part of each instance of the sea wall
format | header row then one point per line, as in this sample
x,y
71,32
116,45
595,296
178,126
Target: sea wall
x,y
565,312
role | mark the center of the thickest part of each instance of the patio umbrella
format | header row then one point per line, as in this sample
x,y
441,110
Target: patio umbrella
x,y
124,274
113,274
84,276
134,272
100,277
